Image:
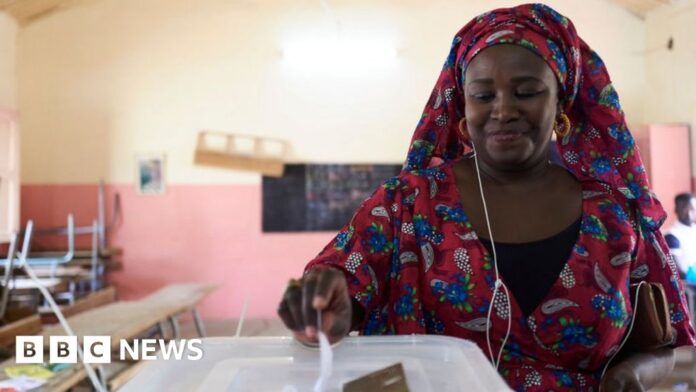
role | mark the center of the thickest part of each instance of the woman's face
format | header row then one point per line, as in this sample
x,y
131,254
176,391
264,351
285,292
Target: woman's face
x,y
511,98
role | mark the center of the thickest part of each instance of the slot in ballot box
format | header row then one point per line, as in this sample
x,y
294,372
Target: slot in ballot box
x,y
430,363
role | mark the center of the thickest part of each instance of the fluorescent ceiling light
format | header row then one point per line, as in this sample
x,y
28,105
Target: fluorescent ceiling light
x,y
333,53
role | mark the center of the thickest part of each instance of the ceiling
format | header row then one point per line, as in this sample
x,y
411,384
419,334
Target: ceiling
x,y
641,7
27,11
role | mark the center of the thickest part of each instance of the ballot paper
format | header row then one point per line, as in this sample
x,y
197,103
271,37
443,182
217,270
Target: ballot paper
x,y
37,372
325,358
21,384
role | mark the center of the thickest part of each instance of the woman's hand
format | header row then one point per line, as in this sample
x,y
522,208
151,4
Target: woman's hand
x,y
621,378
322,289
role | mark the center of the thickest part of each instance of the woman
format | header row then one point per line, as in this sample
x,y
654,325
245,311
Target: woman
x,y
480,237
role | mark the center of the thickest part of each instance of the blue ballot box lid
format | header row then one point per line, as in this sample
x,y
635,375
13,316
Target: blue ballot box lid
x,y
431,363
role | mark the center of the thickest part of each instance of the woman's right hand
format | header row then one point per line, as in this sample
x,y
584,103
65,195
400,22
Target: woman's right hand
x,y
322,289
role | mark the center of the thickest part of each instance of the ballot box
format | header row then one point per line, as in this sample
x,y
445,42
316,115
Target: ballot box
x,y
430,363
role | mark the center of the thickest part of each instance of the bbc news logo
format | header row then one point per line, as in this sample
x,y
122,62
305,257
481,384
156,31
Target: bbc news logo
x,y
97,349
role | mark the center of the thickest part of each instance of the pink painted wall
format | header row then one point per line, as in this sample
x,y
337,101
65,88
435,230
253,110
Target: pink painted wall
x,y
193,233
669,166
207,233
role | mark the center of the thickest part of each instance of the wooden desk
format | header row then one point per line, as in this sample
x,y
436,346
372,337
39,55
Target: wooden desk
x,y
94,300
129,319
122,320
79,253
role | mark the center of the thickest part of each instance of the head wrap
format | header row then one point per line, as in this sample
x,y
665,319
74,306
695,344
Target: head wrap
x,y
599,145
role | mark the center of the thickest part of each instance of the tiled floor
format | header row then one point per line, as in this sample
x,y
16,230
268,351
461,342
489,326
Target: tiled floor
x,y
679,380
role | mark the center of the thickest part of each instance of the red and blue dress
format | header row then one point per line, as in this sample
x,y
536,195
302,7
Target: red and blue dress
x,y
416,265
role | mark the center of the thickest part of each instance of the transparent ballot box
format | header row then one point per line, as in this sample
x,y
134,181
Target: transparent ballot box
x,y
430,363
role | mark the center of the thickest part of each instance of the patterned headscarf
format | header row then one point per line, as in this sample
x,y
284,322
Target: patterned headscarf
x,y
599,146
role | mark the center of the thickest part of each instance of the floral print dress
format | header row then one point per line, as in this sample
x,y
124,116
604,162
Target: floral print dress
x,y
415,264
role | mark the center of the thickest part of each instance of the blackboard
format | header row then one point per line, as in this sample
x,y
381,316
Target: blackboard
x,y
319,197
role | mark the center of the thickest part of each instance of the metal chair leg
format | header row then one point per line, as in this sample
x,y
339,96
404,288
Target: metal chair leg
x,y
95,255
199,323
161,328
71,292
101,375
175,327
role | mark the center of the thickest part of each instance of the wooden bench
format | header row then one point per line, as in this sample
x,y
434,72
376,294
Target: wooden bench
x,y
123,320
18,322
96,299
80,253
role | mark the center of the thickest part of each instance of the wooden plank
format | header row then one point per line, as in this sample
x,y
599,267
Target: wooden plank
x,y
94,300
180,297
66,379
121,320
269,167
124,376
30,325
241,152
110,265
79,253
130,319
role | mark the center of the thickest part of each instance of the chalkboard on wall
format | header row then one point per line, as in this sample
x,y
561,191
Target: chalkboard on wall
x,y
319,197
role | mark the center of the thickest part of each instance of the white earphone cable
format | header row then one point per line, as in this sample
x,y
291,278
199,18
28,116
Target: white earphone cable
x,y
498,282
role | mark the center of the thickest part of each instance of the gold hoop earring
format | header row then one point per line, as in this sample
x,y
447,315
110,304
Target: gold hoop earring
x,y
562,131
461,131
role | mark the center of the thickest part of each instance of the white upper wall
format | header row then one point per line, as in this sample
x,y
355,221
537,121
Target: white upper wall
x,y
112,78
8,38
670,94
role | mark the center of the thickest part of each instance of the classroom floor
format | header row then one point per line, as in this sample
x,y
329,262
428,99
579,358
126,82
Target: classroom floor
x,y
679,380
